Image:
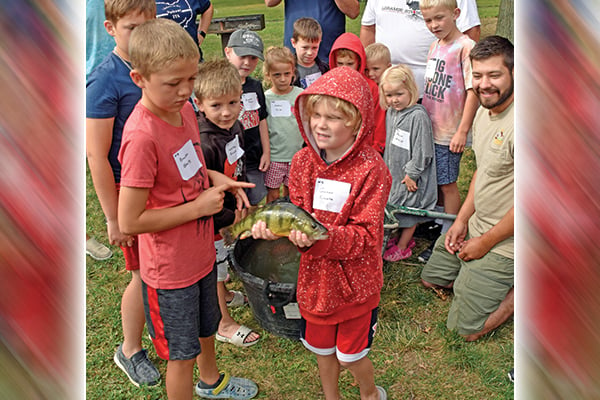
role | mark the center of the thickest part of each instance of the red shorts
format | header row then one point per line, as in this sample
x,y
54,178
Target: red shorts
x,y
131,254
277,174
349,340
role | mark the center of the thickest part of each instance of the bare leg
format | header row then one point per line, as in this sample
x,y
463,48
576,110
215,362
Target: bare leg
x,y
451,198
228,326
207,361
286,191
329,371
180,379
272,194
434,286
363,373
497,318
132,315
405,236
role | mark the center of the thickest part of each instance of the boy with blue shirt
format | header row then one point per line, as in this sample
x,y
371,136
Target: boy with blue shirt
x,y
110,98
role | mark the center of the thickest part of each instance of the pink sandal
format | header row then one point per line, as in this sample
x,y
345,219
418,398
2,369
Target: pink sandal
x,y
395,253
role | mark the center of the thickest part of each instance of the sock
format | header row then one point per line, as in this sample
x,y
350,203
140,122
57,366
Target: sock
x,y
203,385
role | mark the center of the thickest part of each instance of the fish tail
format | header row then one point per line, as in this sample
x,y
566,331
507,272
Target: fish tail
x,y
228,237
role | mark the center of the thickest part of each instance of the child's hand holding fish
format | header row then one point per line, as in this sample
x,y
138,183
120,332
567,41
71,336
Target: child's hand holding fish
x,y
300,239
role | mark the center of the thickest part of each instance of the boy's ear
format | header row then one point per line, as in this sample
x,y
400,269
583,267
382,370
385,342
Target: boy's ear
x,y
137,78
456,13
227,51
293,41
110,28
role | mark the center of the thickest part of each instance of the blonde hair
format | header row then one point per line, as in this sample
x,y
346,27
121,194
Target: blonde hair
x,y
448,4
114,10
399,75
277,54
217,78
157,43
308,29
349,110
378,52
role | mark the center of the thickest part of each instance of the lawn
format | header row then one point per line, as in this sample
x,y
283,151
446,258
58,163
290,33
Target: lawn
x,y
414,355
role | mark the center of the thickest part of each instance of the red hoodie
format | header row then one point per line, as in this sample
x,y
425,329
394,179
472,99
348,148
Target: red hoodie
x,y
352,42
341,277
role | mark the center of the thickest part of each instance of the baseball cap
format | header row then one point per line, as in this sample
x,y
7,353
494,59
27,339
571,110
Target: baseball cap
x,y
246,43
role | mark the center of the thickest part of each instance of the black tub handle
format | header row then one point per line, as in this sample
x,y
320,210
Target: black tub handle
x,y
277,298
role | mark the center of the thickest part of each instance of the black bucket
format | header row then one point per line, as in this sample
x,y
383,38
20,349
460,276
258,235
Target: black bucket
x,y
271,290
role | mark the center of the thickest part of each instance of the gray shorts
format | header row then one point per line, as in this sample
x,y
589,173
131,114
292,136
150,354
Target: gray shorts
x,y
479,285
176,318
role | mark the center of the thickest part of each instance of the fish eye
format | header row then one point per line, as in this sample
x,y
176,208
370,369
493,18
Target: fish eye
x,y
313,225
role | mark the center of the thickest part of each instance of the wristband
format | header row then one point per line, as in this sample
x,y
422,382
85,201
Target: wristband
x,y
202,33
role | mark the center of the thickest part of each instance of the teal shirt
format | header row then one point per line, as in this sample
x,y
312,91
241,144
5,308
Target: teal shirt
x,y
284,136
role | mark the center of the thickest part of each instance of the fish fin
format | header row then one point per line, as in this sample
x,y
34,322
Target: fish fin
x,y
227,234
245,234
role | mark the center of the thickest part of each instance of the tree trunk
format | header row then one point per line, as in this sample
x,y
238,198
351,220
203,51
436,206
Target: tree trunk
x,y
506,20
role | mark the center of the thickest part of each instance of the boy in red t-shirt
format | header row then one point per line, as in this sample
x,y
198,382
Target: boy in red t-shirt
x,y
167,200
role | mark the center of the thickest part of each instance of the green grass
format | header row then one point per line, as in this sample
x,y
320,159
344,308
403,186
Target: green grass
x,y
414,355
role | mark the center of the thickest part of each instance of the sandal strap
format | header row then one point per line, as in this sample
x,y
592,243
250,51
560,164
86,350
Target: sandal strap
x,y
223,384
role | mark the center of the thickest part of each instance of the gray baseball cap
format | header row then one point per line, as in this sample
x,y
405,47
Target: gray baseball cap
x,y
246,43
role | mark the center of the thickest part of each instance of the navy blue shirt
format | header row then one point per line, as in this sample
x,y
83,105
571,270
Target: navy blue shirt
x,y
110,93
184,12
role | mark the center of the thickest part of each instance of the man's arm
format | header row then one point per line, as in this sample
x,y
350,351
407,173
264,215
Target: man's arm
x,y
272,3
477,247
349,7
458,231
98,134
474,33
367,34
205,20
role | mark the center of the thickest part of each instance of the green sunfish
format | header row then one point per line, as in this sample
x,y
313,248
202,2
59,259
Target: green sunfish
x,y
281,218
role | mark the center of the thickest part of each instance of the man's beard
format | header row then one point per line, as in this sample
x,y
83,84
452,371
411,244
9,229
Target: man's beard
x,y
503,97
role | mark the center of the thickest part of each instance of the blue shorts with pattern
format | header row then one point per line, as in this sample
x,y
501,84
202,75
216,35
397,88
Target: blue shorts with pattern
x,y
447,164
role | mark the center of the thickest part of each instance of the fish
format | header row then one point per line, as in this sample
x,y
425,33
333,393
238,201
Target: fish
x,y
281,217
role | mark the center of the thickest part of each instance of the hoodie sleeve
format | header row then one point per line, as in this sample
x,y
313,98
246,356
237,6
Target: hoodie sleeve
x,y
421,144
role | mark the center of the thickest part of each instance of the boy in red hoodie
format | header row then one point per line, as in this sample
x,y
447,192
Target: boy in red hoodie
x,y
344,183
348,51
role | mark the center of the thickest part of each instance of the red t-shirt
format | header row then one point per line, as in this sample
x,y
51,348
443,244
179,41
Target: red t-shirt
x,y
168,160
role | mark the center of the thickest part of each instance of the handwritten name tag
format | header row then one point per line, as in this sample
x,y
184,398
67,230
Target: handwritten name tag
x,y
310,79
401,139
330,195
281,108
250,101
233,150
187,160
430,69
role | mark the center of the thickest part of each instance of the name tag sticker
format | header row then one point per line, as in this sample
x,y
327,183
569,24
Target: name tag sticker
x,y
233,150
310,79
430,69
187,160
401,139
250,101
281,108
330,195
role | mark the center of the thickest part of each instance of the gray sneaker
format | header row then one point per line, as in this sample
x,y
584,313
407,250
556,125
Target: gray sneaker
x,y
139,369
